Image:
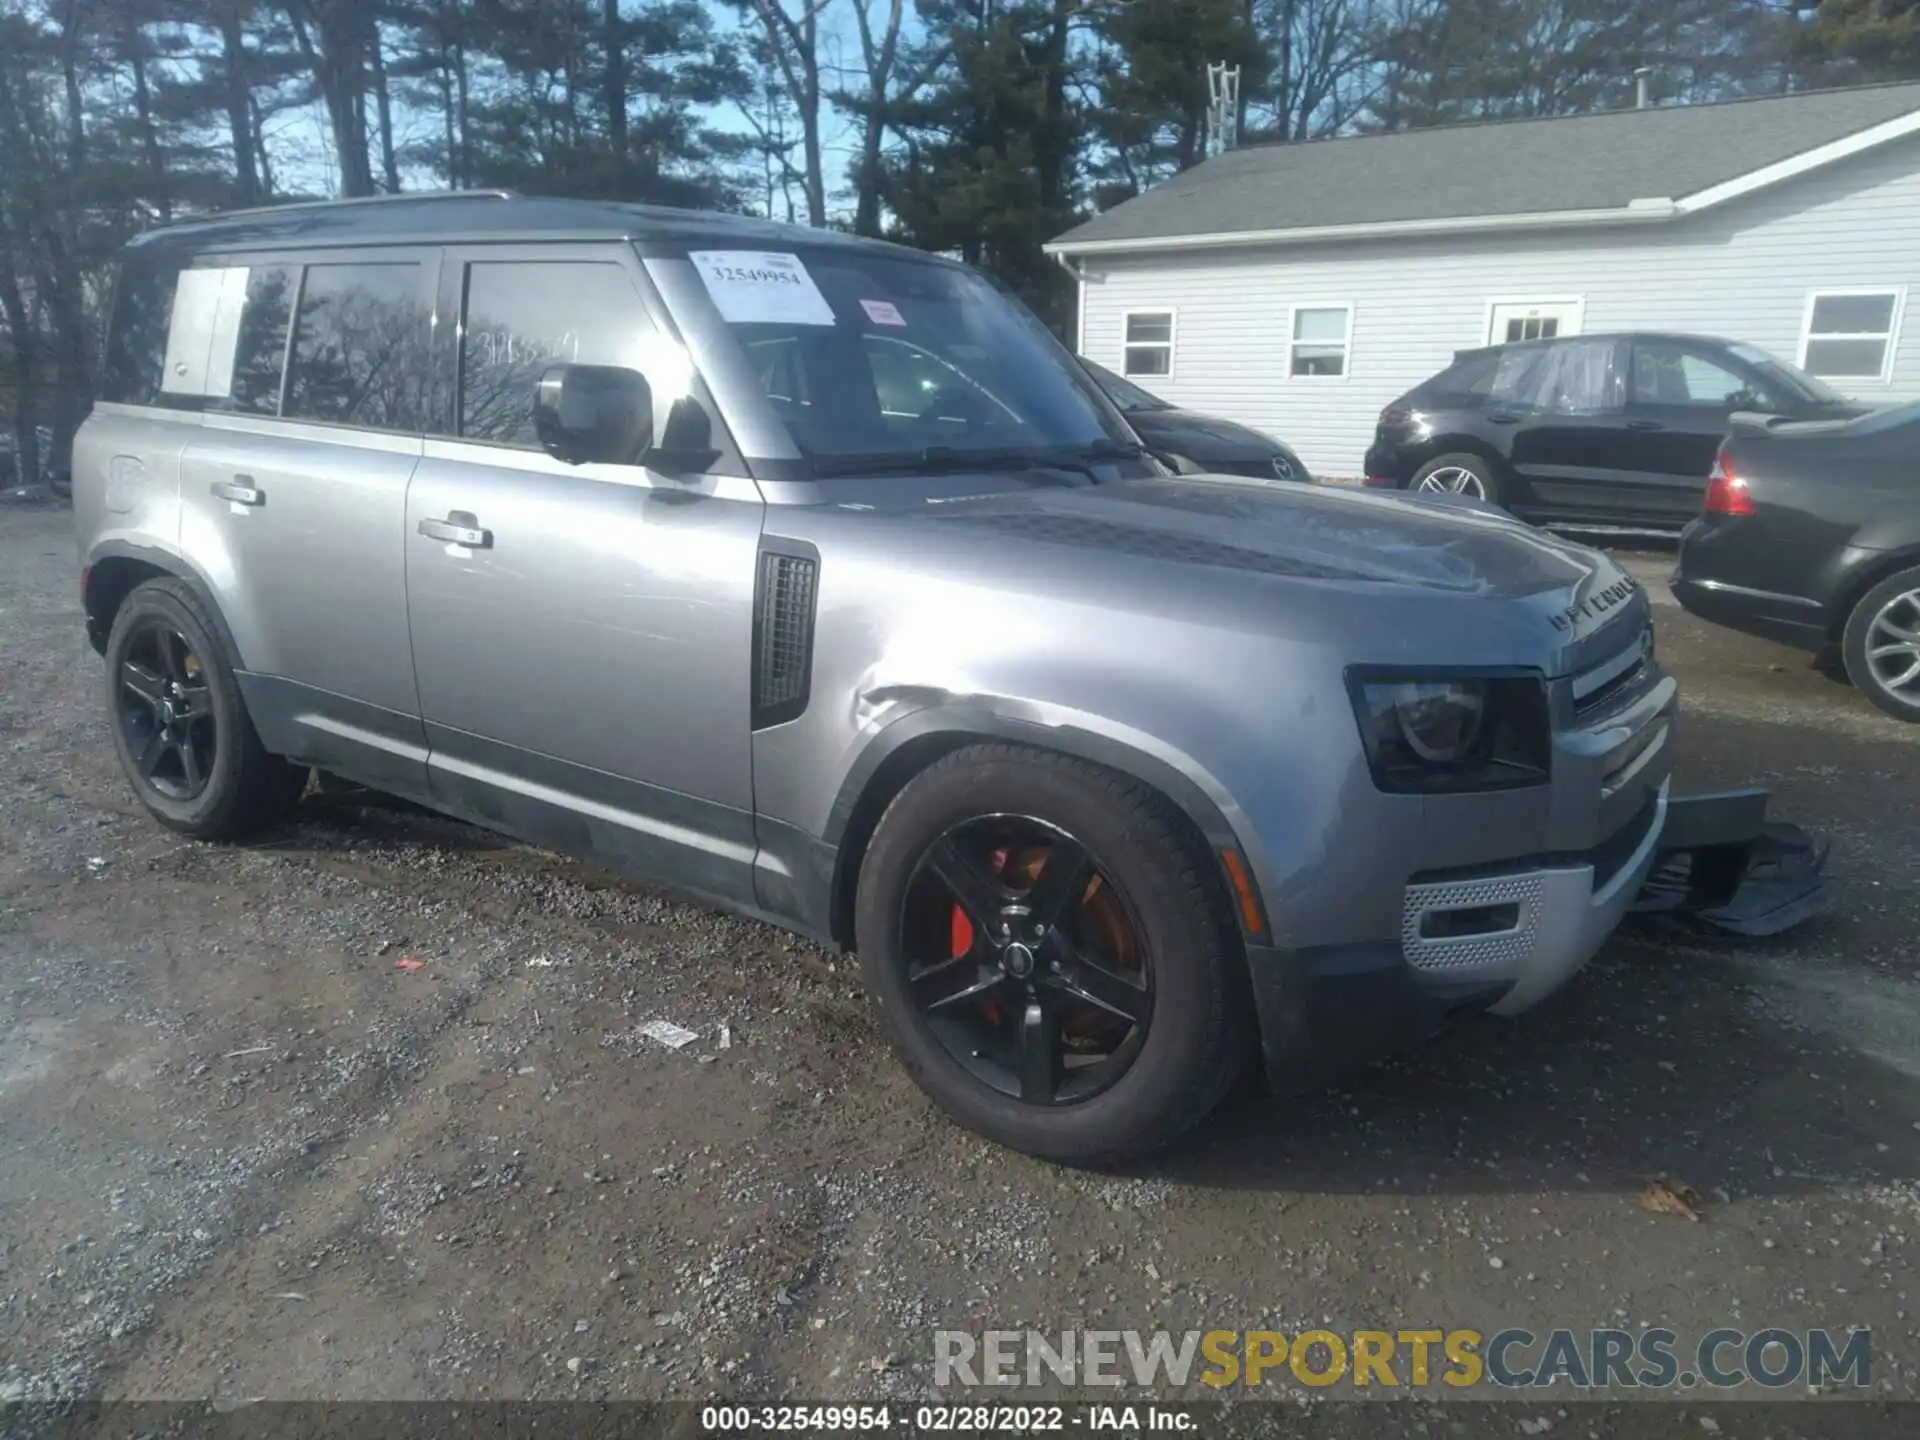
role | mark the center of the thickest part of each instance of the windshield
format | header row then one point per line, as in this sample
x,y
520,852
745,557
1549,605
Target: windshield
x,y
1790,376
1124,393
865,356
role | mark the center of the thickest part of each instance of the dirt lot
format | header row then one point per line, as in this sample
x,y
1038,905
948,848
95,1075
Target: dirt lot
x,y
248,1148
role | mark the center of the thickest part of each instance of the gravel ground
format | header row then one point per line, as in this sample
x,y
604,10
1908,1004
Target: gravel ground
x,y
365,1111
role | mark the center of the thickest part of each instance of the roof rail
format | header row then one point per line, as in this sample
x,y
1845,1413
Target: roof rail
x,y
398,195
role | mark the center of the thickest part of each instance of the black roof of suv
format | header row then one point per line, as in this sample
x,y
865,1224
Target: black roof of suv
x,y
450,215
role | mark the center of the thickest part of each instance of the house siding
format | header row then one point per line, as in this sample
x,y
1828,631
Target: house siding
x,y
1744,272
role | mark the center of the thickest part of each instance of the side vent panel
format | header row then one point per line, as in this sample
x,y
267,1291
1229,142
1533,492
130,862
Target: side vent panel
x,y
783,609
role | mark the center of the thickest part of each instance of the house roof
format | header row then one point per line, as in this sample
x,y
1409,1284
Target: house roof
x,y
1618,166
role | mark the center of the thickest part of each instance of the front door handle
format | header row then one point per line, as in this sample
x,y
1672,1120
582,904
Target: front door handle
x,y
1645,425
459,528
1502,418
240,490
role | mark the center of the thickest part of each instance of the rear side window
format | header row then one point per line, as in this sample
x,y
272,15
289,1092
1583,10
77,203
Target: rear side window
x,y
360,348
524,316
1468,378
135,354
1578,377
260,342
1501,375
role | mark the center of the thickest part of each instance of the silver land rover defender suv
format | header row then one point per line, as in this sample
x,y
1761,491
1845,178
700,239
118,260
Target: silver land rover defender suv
x,y
809,575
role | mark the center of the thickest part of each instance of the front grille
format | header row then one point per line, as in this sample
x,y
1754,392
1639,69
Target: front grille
x,y
1615,680
783,637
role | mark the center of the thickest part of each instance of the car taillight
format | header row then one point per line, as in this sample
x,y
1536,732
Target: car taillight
x,y
1393,417
1727,493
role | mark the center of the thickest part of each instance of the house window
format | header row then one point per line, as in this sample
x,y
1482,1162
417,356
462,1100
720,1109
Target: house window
x,y
1850,334
1149,347
1321,336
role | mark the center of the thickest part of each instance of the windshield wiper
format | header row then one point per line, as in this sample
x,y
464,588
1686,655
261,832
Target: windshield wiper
x,y
952,459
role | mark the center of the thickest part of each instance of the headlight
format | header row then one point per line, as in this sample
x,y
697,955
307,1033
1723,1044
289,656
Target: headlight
x,y
1430,733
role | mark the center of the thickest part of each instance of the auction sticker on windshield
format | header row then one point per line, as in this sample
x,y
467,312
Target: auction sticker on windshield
x,y
761,287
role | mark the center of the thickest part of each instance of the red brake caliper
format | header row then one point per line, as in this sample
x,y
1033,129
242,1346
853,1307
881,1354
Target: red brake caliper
x,y
960,930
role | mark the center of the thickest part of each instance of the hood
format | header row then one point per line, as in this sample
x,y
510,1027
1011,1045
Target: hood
x,y
1325,533
1202,438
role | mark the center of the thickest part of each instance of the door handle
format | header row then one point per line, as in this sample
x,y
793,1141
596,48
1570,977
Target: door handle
x,y
240,490
1503,419
1645,425
459,528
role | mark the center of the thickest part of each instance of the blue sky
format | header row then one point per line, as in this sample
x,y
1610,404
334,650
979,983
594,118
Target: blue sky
x,y
300,143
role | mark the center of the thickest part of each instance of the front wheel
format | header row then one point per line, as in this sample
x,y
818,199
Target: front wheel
x,y
1467,475
1881,645
1050,948
180,727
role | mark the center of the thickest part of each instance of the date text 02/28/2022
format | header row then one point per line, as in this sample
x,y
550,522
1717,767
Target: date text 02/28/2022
x,y
942,1419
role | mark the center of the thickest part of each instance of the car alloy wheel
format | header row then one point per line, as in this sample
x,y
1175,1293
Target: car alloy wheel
x,y
1452,480
166,711
1893,646
1024,960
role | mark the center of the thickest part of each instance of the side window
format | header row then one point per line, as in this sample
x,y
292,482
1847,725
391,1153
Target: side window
x,y
1577,378
1669,375
260,342
1513,379
523,316
133,360
360,347
212,336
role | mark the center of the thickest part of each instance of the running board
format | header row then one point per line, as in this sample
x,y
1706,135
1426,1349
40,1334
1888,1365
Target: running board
x,y
1722,862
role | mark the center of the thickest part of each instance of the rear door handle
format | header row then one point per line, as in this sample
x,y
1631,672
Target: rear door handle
x,y
1645,425
459,528
240,490
1503,419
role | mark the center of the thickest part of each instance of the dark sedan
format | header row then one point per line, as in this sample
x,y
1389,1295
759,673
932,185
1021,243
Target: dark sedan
x,y
1191,442
1606,430
1810,535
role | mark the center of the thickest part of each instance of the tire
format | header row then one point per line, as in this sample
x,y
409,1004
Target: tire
x,y
228,786
1458,474
1149,868
1882,640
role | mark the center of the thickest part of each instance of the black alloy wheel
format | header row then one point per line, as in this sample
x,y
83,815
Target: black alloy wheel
x,y
180,724
166,711
1054,952
1025,960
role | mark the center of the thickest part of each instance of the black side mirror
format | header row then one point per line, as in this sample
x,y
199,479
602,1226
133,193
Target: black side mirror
x,y
593,414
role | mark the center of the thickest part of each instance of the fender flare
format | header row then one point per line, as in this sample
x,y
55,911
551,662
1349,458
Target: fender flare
x,y
169,562
874,778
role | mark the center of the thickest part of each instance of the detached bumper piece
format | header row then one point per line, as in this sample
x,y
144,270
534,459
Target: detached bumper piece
x,y
1723,863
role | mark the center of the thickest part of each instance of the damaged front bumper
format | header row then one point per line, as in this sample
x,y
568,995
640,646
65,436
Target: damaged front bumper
x,y
1710,858
1721,862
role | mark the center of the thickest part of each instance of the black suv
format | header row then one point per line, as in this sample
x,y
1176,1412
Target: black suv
x,y
1587,429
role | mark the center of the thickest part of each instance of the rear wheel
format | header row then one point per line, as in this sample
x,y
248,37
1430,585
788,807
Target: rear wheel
x,y
1050,951
1881,645
1461,474
180,727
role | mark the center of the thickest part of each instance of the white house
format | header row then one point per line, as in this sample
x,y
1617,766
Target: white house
x,y
1301,288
